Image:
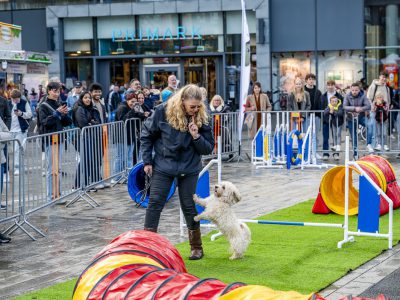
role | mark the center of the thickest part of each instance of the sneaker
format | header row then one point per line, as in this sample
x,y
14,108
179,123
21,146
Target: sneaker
x,y
337,148
386,147
100,186
107,185
4,238
336,156
378,147
398,156
16,172
318,156
92,190
62,202
370,149
2,207
113,181
325,157
333,148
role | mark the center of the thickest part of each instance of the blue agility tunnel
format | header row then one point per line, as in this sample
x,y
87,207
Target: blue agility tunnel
x,y
137,183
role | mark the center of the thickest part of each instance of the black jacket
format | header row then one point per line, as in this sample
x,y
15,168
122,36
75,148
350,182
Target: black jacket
x,y
337,117
176,152
125,113
5,112
85,115
49,120
325,102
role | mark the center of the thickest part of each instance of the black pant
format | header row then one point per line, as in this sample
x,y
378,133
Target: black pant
x,y
160,186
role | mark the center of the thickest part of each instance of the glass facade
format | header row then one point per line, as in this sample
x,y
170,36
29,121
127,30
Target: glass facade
x,y
343,66
129,47
382,41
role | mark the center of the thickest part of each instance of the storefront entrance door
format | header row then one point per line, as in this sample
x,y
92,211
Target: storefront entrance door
x,y
157,75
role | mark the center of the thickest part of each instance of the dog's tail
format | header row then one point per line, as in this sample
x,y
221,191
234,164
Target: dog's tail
x,y
246,230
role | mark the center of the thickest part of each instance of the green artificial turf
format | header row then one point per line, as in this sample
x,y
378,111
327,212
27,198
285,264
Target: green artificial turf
x,y
303,259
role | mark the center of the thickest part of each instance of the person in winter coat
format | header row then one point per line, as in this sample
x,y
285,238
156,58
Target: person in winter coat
x,y
85,114
127,113
217,105
4,135
179,134
53,117
334,115
257,101
299,100
325,101
381,109
356,104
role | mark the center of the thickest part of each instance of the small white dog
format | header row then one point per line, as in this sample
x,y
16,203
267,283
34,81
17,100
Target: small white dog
x,y
218,210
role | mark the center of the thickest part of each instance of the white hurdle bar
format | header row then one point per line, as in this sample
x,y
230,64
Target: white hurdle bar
x,y
349,235
212,162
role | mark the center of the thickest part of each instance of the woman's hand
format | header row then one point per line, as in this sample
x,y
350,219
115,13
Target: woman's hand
x,y
148,169
193,129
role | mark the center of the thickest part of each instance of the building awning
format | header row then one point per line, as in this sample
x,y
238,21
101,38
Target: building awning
x,y
25,56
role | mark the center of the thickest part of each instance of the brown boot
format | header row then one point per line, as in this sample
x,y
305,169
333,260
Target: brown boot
x,y
195,244
150,229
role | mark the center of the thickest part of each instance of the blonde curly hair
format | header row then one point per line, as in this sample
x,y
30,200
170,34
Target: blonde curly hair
x,y
175,110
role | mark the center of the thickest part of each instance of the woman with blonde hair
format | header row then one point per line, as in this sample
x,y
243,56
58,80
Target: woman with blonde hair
x,y
217,105
179,134
257,101
298,100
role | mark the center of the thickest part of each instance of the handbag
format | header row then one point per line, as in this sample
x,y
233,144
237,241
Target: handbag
x,y
249,120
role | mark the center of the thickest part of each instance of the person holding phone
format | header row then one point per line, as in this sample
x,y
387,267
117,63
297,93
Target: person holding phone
x,y
179,134
20,116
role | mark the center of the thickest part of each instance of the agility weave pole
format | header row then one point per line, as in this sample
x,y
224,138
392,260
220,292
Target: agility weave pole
x,y
267,150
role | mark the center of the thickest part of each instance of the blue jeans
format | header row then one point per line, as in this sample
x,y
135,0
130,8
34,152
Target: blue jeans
x,y
53,174
353,127
371,129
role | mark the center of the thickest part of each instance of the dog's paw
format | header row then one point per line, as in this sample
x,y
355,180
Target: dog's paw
x,y
197,218
235,256
195,198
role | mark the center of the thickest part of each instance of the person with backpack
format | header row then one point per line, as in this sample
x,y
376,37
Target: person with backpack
x,y
21,114
377,86
52,117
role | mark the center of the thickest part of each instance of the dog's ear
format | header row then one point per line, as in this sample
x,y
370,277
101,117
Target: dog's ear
x,y
236,194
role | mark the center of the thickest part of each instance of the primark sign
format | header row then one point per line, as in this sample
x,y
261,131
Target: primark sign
x,y
155,34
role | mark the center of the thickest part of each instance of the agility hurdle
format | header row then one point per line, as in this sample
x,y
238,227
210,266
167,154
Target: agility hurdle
x,y
368,217
203,188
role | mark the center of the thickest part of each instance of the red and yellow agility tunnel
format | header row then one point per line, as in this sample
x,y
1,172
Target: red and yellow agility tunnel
x,y
140,265
332,187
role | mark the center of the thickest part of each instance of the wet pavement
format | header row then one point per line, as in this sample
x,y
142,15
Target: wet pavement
x,y
77,233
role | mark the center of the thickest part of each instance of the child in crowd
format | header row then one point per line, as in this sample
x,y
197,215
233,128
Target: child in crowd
x,y
334,112
380,107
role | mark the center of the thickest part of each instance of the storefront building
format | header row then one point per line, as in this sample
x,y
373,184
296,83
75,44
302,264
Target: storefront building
x,y
18,66
198,41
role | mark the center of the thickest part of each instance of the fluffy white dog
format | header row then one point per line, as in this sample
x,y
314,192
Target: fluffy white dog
x,y
218,210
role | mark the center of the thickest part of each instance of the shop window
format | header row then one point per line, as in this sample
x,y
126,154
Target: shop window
x,y
74,48
388,60
344,66
78,69
381,25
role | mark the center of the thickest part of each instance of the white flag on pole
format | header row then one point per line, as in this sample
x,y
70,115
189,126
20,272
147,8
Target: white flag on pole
x,y
244,69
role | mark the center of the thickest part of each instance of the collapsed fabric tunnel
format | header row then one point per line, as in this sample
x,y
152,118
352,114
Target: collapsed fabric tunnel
x,y
332,187
144,265
137,186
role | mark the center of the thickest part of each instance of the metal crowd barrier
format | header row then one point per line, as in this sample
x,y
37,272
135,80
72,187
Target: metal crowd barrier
x,y
226,126
50,168
132,129
12,200
101,157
